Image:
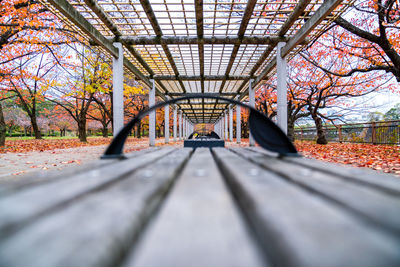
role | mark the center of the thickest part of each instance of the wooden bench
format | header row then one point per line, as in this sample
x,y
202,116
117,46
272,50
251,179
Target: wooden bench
x,y
205,207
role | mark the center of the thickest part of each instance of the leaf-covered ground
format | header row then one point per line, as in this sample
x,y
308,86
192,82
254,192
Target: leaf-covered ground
x,y
378,157
22,146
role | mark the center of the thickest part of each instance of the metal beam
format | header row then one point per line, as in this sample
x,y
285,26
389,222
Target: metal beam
x,y
199,77
205,94
158,31
188,40
200,46
298,10
75,17
242,29
198,109
324,10
98,10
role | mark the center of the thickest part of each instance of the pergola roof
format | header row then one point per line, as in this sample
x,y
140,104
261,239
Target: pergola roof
x,y
200,46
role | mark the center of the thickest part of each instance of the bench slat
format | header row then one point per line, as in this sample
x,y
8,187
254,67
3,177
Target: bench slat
x,y
374,205
385,182
25,205
298,228
100,228
39,178
198,225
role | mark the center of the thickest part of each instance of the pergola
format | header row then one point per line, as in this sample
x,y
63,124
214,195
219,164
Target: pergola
x,y
219,47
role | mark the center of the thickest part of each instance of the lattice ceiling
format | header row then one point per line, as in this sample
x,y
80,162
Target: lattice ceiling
x,y
199,46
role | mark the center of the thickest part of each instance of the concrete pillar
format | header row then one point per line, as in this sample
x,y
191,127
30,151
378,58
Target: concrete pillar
x,y
166,123
238,125
230,124
180,124
184,127
118,90
281,73
152,114
175,123
226,125
252,103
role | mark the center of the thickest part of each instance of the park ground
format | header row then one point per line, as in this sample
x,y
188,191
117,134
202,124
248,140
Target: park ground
x,y
24,156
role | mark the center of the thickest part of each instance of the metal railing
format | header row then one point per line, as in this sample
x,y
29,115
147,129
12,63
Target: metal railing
x,y
382,132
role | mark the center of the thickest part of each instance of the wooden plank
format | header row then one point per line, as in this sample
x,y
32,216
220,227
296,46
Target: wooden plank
x,y
12,186
98,229
375,206
198,225
26,205
385,182
299,228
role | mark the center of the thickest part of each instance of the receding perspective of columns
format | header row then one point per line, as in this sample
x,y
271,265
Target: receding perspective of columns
x,y
166,123
152,115
238,124
175,122
251,104
281,73
118,90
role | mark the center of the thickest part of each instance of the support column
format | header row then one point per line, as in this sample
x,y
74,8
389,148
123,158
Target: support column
x,y
152,114
238,125
184,127
175,122
166,123
252,103
226,125
281,70
118,90
180,124
230,124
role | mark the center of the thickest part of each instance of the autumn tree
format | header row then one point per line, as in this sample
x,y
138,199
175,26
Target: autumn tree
x,y
366,39
75,90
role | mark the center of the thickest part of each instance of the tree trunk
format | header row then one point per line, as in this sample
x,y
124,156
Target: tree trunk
x,y
3,130
104,131
35,128
321,137
139,132
290,129
82,130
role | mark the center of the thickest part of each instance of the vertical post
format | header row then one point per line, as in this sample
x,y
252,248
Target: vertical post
x,y
230,124
340,133
175,122
238,125
252,103
226,125
152,114
373,128
180,124
281,70
184,127
166,123
118,90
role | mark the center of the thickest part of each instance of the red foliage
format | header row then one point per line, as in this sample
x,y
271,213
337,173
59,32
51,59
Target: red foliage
x,y
378,157
23,146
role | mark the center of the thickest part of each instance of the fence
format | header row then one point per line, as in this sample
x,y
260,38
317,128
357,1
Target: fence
x,y
383,132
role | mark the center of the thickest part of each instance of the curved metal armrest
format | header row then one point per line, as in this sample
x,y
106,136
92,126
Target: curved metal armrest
x,y
265,132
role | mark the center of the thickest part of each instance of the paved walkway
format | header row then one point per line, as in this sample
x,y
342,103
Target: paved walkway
x,y
14,165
